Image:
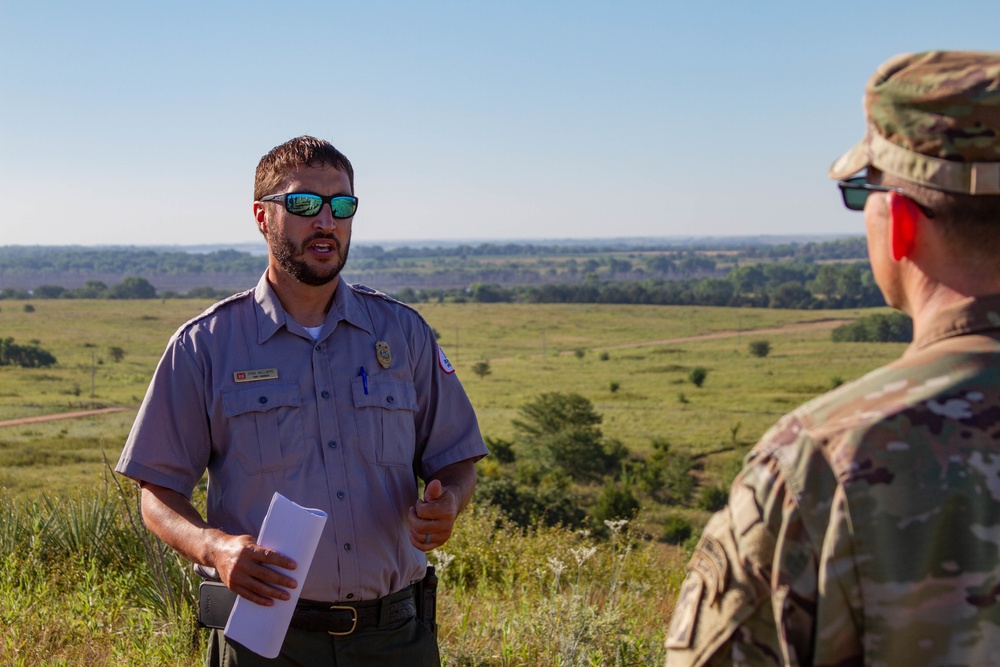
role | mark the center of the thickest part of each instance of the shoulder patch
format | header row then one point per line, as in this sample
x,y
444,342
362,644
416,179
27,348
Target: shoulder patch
x,y
443,360
685,614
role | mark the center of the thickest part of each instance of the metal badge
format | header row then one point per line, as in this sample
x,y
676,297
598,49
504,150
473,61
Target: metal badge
x,y
383,354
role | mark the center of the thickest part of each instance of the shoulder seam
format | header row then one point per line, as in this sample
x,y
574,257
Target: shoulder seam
x,y
215,307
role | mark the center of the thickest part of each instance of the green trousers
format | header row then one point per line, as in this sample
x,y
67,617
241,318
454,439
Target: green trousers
x,y
405,643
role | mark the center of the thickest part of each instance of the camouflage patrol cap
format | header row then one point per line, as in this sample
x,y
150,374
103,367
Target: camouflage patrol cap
x,y
933,119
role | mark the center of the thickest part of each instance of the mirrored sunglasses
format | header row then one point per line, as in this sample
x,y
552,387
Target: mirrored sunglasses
x,y
308,205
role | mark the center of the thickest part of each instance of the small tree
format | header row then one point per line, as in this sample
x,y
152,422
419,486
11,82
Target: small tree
x,y
481,368
760,348
698,375
116,353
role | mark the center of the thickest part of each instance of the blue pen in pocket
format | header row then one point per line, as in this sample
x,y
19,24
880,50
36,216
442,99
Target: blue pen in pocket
x,y
364,379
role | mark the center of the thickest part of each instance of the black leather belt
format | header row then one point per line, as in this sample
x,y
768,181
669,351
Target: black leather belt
x,y
338,619
343,619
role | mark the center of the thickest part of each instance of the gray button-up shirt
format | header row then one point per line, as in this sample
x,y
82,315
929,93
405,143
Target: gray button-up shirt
x,y
246,393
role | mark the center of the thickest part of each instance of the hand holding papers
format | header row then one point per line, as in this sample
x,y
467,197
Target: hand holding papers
x,y
294,531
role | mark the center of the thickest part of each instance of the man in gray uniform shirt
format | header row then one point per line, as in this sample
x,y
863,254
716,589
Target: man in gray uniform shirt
x,y
333,395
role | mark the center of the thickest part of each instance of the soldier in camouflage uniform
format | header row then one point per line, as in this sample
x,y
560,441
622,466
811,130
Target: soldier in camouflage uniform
x,y
864,528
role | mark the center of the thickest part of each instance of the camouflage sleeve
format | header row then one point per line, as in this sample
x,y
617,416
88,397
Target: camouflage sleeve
x,y
751,596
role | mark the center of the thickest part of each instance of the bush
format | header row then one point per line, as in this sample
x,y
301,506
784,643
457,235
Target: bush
x,y
713,498
25,356
500,450
615,502
677,529
760,348
697,376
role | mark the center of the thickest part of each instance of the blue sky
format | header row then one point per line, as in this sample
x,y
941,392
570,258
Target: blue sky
x,y
141,123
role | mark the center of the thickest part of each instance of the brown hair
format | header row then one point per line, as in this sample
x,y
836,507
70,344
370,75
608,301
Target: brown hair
x,y
304,151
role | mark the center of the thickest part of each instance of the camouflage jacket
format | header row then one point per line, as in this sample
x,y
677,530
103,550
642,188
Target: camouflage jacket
x,y
864,528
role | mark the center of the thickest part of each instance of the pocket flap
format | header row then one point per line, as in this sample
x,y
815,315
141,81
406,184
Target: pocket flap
x,y
385,393
260,398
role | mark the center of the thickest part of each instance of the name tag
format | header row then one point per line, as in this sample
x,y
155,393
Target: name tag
x,y
254,375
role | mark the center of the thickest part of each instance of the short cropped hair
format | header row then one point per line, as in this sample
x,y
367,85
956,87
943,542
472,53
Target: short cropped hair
x,y
304,151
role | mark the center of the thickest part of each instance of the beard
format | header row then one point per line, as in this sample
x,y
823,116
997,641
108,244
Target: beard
x,y
286,255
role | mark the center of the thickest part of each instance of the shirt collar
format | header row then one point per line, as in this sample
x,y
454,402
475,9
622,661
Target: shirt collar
x,y
968,316
271,316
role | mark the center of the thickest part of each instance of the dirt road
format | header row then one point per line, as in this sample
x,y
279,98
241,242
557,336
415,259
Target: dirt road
x,y
60,415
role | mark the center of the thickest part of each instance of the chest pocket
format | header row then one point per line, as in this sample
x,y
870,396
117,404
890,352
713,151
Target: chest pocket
x,y
385,419
265,425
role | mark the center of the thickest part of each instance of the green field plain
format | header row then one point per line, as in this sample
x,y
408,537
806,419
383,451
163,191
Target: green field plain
x,y
646,351
78,580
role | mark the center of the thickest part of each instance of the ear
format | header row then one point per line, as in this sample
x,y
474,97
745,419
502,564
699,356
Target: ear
x,y
260,216
905,215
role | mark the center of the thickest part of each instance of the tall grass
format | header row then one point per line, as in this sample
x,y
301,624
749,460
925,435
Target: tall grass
x,y
83,583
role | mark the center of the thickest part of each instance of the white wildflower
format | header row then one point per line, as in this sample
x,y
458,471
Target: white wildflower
x,y
556,565
443,559
616,525
583,555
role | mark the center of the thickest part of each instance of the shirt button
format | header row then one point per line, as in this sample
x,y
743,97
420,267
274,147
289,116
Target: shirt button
x,y
350,596
347,547
332,444
262,399
389,398
319,347
340,494
325,394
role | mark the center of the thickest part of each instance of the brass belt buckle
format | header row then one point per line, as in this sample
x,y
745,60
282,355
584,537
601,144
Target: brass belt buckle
x,y
353,625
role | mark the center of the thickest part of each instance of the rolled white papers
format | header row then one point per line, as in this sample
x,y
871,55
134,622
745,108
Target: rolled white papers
x,y
294,531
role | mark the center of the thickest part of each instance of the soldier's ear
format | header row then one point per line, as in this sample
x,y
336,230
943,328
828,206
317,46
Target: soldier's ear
x,y
905,216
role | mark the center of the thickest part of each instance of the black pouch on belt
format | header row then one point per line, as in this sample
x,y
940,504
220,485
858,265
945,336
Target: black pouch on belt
x,y
215,601
427,600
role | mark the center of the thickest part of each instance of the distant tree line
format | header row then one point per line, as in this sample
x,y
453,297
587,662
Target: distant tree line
x,y
877,328
144,261
785,285
124,260
129,288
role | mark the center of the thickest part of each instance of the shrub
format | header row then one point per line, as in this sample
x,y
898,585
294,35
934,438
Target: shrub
x,y
615,502
697,375
677,529
25,356
500,450
614,386
713,498
760,348
481,368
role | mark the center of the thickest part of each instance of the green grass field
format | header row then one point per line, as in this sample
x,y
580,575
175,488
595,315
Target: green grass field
x,y
531,349
80,586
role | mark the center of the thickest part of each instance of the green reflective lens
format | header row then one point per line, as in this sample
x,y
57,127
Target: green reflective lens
x,y
343,207
302,204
